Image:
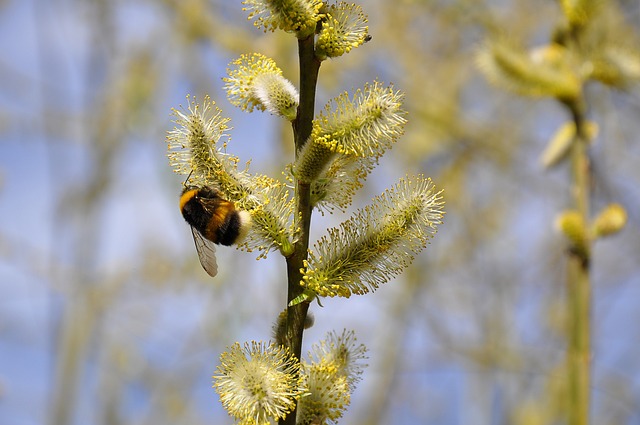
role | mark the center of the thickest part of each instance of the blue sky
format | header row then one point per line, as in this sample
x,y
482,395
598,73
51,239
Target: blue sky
x,y
45,67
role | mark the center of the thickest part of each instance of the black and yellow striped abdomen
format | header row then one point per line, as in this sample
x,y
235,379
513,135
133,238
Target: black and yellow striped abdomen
x,y
214,217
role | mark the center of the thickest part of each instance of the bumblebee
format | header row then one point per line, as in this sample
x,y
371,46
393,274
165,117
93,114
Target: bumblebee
x,y
213,220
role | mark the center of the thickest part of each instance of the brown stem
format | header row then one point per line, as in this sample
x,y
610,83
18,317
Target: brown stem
x,y
296,315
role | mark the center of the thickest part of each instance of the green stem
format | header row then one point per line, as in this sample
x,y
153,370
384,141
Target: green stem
x,y
296,315
72,353
578,282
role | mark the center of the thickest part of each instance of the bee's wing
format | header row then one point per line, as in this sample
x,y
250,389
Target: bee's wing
x,y
206,252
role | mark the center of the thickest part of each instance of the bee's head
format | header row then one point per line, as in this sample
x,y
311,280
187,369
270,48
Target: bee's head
x,y
201,192
208,192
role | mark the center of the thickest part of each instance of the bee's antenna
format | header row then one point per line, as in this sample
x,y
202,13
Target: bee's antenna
x,y
188,177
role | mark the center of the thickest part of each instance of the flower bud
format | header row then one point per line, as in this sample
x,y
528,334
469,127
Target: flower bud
x,y
572,225
558,147
610,221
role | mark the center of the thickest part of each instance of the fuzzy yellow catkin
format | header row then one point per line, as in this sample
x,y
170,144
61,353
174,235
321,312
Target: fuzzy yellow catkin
x,y
295,16
197,147
545,71
377,242
343,28
313,160
580,12
258,382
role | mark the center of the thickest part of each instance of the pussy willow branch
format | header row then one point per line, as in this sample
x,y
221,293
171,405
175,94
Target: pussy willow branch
x,y
578,280
296,315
